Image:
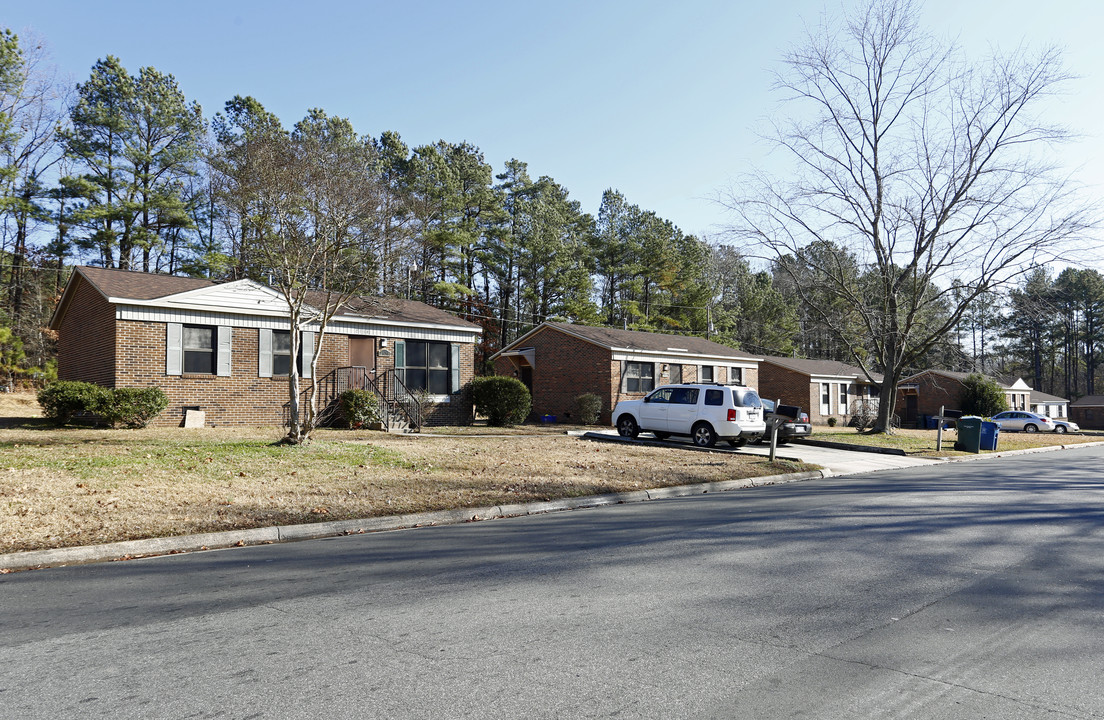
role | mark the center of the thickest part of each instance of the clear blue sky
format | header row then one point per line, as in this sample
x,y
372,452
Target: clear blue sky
x,y
659,99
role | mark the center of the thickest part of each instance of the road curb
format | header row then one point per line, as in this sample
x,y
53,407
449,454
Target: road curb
x,y
133,549
1024,451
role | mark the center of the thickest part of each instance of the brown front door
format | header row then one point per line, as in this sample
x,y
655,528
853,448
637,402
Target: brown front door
x,y
362,352
911,406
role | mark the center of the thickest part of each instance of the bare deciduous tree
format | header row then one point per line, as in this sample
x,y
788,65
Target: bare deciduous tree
x,y
932,170
306,201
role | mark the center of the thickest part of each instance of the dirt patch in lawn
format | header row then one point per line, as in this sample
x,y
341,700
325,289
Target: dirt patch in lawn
x,y
71,487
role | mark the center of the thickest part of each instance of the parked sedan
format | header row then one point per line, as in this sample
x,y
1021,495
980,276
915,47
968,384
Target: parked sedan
x,y
1065,426
1020,420
792,423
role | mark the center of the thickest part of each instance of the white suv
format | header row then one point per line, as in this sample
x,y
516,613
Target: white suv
x,y
706,412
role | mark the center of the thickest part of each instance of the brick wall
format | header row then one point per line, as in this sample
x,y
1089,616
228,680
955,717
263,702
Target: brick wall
x,y
933,391
86,338
566,367
243,398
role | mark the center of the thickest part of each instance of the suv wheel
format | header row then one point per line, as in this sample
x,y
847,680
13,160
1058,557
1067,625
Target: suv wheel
x,y
738,442
660,435
704,435
626,426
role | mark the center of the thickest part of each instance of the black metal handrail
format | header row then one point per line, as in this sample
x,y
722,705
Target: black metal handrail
x,y
394,394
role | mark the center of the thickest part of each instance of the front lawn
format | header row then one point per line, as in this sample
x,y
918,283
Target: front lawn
x,y
83,486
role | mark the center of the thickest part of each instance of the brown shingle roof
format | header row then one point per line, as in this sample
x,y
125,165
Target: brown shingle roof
x,y
1039,396
402,311
820,367
1088,401
650,341
961,376
139,285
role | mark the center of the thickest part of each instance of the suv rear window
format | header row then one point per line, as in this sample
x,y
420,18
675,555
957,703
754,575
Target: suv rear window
x,y
745,397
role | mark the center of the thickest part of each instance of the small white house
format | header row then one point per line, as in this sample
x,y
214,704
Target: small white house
x,y
1049,405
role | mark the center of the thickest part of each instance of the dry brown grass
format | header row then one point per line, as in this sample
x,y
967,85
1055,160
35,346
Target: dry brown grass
x,y
70,487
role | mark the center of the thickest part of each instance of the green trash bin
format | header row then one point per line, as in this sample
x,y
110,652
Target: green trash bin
x,y
969,434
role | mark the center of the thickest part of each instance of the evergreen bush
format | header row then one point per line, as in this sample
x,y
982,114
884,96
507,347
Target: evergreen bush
x,y
360,407
63,400
131,407
504,400
982,396
589,408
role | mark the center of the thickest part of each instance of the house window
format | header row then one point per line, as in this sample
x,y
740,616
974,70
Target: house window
x,y
843,398
825,399
427,366
706,374
198,344
198,349
676,374
735,376
639,377
275,353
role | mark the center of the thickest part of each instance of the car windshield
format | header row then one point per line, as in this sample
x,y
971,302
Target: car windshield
x,y
746,397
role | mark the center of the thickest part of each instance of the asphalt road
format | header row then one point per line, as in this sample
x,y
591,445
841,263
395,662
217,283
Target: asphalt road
x,y
967,590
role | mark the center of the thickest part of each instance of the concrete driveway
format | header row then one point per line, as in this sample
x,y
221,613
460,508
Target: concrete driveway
x,y
838,462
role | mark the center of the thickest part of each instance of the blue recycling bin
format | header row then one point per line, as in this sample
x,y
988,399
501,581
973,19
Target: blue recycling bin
x,y
990,434
931,422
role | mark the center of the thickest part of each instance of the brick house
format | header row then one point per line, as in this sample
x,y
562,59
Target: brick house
x,y
824,388
1088,412
560,361
925,392
224,348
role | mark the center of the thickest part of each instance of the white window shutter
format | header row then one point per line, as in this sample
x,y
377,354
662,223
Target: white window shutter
x,y
264,353
306,338
454,367
222,360
174,349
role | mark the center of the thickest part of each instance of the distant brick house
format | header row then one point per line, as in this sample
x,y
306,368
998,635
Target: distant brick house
x,y
560,361
223,348
823,388
925,392
1088,412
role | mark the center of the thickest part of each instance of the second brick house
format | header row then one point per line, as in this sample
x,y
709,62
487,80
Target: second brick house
x,y
824,388
224,348
560,361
